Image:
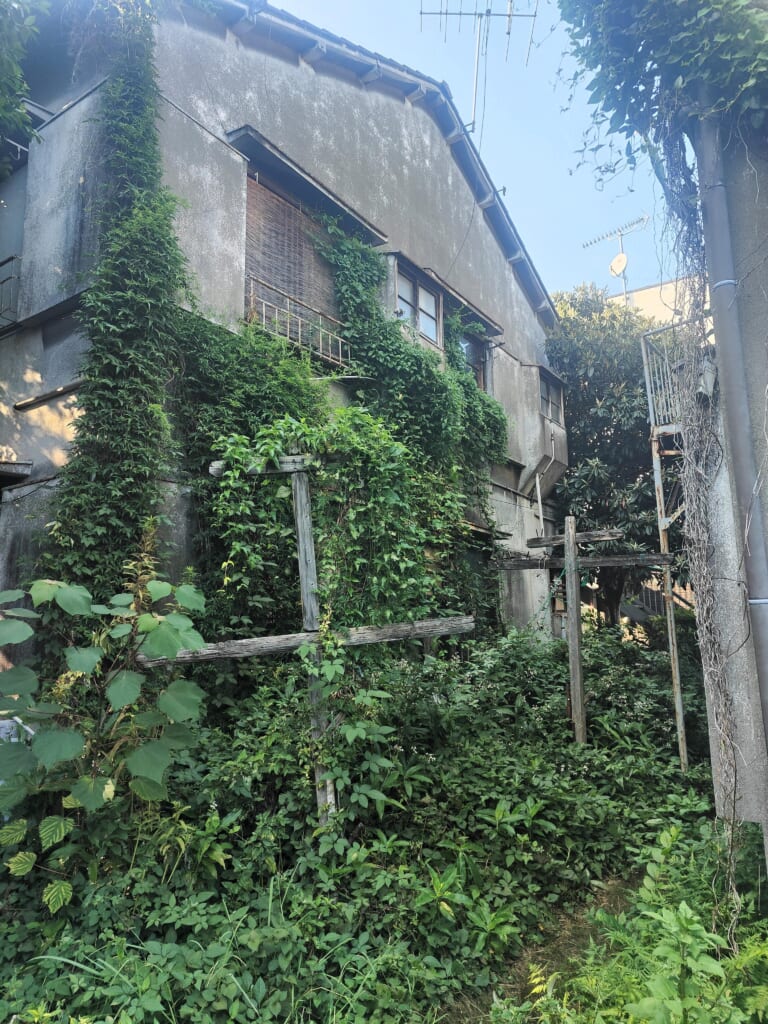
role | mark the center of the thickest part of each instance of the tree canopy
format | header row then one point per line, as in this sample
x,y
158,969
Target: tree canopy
x,y
596,349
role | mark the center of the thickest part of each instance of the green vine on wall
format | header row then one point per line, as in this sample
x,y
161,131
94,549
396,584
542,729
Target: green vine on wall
x,y
110,486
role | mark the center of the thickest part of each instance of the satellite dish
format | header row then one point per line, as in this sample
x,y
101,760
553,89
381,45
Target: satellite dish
x,y
618,264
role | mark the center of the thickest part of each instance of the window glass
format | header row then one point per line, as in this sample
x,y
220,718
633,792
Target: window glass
x,y
551,399
406,299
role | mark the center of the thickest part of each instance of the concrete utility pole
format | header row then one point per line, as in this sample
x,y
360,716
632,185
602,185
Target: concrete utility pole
x,y
732,372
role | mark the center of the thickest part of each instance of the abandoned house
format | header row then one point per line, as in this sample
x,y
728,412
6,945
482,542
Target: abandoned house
x,y
266,121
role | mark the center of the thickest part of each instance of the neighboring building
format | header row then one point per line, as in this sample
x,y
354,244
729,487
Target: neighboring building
x,y
265,121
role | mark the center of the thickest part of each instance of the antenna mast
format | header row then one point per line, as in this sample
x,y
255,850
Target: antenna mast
x,y
618,265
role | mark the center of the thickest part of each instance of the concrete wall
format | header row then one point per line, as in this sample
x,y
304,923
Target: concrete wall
x,y
59,226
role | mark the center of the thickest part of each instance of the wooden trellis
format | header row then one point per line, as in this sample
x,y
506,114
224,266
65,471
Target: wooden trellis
x,y
297,466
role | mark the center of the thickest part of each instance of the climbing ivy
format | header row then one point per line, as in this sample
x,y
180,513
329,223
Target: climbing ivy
x,y
110,486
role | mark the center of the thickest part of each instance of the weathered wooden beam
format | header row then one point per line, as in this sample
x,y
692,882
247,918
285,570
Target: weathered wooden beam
x,y
285,464
573,613
647,560
358,636
588,537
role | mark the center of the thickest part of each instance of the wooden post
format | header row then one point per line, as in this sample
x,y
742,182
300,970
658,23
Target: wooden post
x,y
310,607
573,610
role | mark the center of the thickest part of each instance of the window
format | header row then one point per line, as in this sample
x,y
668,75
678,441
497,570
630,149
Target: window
x,y
551,392
419,306
475,356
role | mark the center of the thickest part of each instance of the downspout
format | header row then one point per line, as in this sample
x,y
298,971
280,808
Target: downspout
x,y
733,383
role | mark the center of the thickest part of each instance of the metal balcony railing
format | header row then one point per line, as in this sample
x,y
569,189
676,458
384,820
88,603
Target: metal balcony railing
x,y
287,317
10,273
663,386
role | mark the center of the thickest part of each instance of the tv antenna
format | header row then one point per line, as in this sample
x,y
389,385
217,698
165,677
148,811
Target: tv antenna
x,y
618,265
483,19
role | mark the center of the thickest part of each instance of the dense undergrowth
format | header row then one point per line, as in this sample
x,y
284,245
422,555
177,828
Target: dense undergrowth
x,y
467,820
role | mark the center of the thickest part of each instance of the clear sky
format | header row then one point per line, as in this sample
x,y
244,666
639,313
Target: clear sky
x,y
527,132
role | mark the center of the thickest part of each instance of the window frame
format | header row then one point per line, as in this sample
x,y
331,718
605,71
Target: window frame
x,y
415,320
549,385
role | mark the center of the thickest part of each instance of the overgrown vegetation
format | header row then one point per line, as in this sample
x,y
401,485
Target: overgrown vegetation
x,y
466,819
609,483
18,25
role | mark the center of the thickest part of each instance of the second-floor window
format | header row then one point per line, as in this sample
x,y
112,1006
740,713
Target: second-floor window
x,y
419,306
551,392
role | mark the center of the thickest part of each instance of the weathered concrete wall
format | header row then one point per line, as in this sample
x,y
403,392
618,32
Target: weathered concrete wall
x,y
37,360
24,511
210,178
59,225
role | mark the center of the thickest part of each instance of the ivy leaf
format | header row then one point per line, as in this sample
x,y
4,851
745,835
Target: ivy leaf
x,y
148,789
14,632
56,745
6,596
92,793
124,689
190,598
22,863
181,701
73,599
158,589
13,832
83,659
57,894
15,759
149,761
19,681
43,591
53,829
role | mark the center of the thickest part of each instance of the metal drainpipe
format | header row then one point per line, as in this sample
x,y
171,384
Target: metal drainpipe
x,y
733,384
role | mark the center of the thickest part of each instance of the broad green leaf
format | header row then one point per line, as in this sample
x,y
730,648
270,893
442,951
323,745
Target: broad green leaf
x,y
191,639
178,736
163,642
149,719
13,832
158,589
124,689
7,596
21,613
22,863
53,829
122,600
147,622
73,599
12,792
101,609
14,632
93,793
179,621
149,761
18,680
57,894
15,759
120,630
53,746
83,659
148,789
43,591
181,701
190,598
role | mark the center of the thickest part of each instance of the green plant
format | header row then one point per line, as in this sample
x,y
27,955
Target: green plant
x,y
99,719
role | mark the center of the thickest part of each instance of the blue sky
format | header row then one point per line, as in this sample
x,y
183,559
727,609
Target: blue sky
x,y
527,138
